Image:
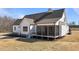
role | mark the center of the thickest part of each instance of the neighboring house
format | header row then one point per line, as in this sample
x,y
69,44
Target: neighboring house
x,y
50,24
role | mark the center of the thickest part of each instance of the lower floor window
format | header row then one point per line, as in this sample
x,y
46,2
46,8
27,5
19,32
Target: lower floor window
x,y
25,28
14,28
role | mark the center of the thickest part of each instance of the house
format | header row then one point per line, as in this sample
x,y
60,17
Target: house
x,y
51,24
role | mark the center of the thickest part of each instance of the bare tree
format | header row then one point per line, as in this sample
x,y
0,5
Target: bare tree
x,y
6,24
72,23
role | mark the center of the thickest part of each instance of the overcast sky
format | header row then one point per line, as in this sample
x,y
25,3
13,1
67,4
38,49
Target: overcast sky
x,y
72,13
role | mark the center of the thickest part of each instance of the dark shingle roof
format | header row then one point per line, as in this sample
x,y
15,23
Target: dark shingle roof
x,y
55,15
17,22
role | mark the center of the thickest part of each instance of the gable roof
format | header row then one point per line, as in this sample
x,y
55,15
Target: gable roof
x,y
54,15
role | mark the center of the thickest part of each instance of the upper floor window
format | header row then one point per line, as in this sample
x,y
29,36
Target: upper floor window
x,y
25,28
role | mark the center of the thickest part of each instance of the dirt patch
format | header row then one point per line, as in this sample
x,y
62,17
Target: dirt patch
x,y
67,43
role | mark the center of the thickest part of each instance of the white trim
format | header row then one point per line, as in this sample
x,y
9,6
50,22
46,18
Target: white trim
x,y
44,24
45,36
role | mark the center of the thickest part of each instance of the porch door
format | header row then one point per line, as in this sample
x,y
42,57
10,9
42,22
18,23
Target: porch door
x,y
54,30
41,30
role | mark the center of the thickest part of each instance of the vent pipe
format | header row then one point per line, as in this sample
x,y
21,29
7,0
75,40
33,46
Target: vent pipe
x,y
50,10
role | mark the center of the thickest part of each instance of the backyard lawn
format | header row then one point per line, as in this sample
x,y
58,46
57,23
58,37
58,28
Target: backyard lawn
x,y
67,43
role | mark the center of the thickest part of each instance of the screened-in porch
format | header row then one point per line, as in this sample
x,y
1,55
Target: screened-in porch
x,y
51,31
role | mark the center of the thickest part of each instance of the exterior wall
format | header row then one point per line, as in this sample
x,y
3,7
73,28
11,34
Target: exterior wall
x,y
64,28
17,29
25,22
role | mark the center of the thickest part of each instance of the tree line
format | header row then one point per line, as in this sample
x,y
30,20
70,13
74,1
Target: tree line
x,y
6,23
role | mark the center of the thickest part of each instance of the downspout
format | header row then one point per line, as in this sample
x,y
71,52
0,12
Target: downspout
x,y
55,31
60,30
29,35
35,29
20,30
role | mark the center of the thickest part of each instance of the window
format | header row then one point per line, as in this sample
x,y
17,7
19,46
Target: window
x,y
25,28
14,28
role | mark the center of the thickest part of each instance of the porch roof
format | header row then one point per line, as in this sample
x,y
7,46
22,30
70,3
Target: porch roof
x,y
48,21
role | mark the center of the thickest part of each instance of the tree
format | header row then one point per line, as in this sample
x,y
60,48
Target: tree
x,y
72,23
6,24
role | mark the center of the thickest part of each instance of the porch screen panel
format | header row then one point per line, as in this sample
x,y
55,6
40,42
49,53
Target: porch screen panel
x,y
38,30
57,30
44,30
51,30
